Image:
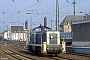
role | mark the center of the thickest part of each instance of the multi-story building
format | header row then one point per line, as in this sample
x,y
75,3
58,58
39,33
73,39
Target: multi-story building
x,y
16,33
6,34
65,25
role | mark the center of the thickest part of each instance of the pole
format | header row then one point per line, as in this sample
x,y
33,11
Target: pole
x,y
23,31
57,15
74,2
7,32
3,26
31,20
51,24
28,32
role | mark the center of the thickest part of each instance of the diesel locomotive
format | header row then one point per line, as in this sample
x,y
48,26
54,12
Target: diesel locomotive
x,y
44,41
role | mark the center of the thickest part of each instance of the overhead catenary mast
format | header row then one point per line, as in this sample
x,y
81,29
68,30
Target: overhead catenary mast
x,y
30,20
74,4
57,15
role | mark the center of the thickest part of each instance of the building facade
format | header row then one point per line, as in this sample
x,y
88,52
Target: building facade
x,y
65,25
16,33
81,33
6,34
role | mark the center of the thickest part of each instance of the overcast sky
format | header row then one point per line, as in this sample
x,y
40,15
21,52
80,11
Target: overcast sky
x,y
15,11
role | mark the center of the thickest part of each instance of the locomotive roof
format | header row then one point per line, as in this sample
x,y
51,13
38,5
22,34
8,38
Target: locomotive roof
x,y
42,28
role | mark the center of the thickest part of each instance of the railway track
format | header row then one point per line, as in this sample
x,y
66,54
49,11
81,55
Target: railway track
x,y
26,55
15,54
50,57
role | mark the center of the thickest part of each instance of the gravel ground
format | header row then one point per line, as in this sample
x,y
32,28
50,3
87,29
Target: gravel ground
x,y
4,56
74,57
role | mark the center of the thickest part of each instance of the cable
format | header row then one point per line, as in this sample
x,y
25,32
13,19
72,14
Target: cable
x,y
16,3
31,5
82,1
67,1
18,12
45,12
60,8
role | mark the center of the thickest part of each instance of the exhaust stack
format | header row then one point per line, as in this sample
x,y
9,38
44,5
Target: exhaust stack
x,y
45,21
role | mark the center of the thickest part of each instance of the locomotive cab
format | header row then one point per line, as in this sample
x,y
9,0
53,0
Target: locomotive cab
x,y
52,43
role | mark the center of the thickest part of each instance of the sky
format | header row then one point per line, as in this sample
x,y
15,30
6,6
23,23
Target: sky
x,y
14,12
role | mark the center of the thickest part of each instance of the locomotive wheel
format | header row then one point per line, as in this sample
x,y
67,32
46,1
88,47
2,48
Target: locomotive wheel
x,y
39,52
56,54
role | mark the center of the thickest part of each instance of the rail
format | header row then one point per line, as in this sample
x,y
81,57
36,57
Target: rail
x,y
15,54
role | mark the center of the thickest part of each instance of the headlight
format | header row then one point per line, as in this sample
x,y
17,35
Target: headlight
x,y
48,48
